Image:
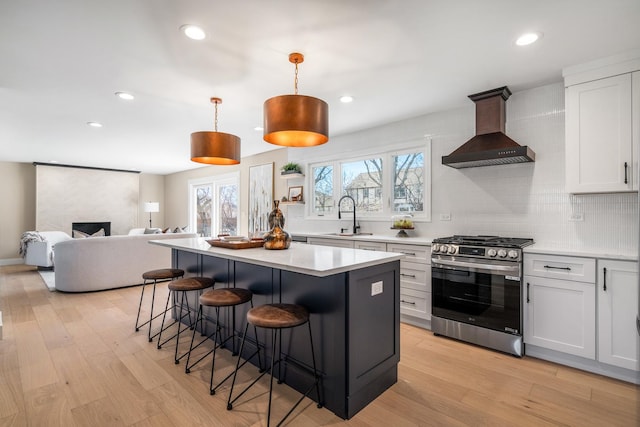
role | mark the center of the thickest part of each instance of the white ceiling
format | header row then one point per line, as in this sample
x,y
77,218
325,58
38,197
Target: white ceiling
x,y
62,61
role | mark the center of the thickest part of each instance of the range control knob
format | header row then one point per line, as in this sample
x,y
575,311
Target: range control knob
x,y
502,253
492,252
453,249
513,254
444,249
435,248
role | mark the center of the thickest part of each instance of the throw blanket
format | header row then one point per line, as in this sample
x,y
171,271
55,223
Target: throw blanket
x,y
29,236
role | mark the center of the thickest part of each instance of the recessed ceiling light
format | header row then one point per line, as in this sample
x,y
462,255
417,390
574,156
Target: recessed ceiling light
x,y
258,128
528,38
124,95
193,32
346,99
94,124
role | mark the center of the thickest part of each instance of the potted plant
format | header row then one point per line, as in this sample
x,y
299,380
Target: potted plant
x,y
290,168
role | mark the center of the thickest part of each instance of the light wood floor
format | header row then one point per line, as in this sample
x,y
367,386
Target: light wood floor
x,y
75,360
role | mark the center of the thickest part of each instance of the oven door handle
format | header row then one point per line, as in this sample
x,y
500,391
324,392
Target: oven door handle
x,y
514,269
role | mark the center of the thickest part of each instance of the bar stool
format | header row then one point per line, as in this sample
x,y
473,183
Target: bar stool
x,y
160,275
277,317
190,284
219,298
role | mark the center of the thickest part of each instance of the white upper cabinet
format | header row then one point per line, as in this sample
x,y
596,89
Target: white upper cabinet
x,y
599,148
602,124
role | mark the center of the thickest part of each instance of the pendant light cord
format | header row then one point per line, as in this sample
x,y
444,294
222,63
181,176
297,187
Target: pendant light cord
x,y
295,81
215,122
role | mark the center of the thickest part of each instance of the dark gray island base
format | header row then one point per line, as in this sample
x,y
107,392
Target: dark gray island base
x,y
356,334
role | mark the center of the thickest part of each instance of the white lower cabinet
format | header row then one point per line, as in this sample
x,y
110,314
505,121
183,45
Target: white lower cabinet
x,y
415,283
560,315
618,340
583,307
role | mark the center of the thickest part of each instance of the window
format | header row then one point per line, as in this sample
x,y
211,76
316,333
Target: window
x,y
214,205
322,189
408,182
362,180
381,184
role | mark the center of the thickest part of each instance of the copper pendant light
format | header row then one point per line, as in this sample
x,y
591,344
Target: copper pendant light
x,y
215,148
296,120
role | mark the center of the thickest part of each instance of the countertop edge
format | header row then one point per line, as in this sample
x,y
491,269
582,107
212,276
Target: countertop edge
x,y
583,253
420,241
199,245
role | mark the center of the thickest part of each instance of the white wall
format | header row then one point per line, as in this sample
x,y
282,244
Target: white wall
x,y
521,200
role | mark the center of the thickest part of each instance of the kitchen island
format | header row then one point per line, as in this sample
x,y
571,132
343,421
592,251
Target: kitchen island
x,y
352,295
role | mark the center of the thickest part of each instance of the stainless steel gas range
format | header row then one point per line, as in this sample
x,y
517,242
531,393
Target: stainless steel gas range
x,y
477,290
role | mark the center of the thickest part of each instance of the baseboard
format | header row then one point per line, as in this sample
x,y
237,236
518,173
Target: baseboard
x,y
11,261
583,364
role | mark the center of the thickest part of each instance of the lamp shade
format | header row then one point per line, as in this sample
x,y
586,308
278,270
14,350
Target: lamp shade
x,y
152,207
296,121
215,148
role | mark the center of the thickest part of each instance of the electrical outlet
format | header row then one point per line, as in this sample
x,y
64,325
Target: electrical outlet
x,y
576,217
445,217
376,288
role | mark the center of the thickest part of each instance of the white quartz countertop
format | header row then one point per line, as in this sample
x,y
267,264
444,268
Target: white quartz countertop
x,y
313,260
538,248
422,241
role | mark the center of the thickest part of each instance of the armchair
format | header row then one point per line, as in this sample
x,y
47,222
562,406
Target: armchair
x,y
41,253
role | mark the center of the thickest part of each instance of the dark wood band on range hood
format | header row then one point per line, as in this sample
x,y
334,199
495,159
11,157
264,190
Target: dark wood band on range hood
x,y
491,146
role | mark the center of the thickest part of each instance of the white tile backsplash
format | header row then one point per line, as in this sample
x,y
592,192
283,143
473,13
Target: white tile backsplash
x,y
521,200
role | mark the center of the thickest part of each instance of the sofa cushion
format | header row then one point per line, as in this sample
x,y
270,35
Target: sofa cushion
x,y
77,234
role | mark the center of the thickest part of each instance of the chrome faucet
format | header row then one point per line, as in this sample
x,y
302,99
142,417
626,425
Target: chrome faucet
x,y
355,227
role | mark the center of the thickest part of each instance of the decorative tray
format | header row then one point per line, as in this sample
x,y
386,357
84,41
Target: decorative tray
x,y
236,244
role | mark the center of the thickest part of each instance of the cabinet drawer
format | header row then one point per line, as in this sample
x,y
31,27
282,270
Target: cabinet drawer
x,y
560,267
415,276
415,303
421,254
371,246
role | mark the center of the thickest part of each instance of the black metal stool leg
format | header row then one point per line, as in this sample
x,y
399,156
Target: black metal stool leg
x,y
144,285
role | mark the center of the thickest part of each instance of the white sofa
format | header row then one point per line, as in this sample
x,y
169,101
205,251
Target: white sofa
x,y
41,253
99,263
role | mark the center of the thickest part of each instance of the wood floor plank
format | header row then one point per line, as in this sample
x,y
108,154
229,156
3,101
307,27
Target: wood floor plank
x,y
47,406
11,397
132,400
78,377
53,330
101,412
36,367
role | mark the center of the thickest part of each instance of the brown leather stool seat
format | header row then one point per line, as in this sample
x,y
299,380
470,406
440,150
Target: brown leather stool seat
x,y
163,274
225,297
155,276
277,317
189,284
219,298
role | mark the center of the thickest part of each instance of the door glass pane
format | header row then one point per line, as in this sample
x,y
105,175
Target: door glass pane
x,y
362,180
228,209
322,189
204,202
408,182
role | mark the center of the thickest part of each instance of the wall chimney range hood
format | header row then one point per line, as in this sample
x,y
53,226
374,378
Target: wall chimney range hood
x,y
490,146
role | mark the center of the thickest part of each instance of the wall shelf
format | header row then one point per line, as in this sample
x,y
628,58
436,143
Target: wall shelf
x,y
292,203
291,175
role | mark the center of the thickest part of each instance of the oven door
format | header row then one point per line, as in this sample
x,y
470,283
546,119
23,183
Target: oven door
x,y
478,293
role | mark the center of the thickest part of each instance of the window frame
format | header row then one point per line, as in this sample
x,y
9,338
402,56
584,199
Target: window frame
x,y
216,182
387,182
